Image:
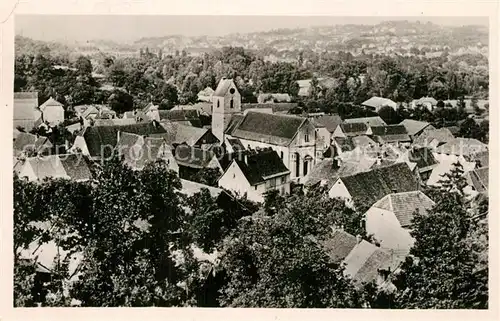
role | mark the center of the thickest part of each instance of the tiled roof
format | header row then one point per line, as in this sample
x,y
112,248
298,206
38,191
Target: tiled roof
x,y
26,107
371,186
346,144
455,130
138,150
404,205
354,129
390,133
339,244
362,141
330,122
177,133
106,137
376,102
324,172
179,115
364,262
462,146
370,121
276,107
413,127
223,87
260,165
114,122
236,144
442,135
234,123
27,95
268,128
190,188
193,157
76,166
481,159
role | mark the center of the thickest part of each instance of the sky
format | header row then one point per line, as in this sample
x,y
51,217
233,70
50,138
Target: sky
x,y
127,28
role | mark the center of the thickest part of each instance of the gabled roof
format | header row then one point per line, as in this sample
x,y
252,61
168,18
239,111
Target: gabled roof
x,y
51,102
268,128
414,127
404,205
106,137
442,135
72,166
377,102
324,172
114,122
223,87
354,129
31,95
455,130
193,157
177,133
481,159
462,146
190,188
179,115
371,186
345,143
138,150
234,122
261,165
338,245
236,144
330,122
362,141
364,262
370,121
25,106
390,133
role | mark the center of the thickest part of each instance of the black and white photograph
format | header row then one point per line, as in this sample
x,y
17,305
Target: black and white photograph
x,y
331,162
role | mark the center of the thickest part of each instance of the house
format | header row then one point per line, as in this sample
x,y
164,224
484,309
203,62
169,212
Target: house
x,y
292,137
256,173
376,103
370,121
206,95
68,166
368,187
150,108
177,133
434,137
203,108
364,262
233,145
389,134
414,127
138,150
389,220
26,111
99,142
460,149
192,159
423,158
29,145
273,98
325,126
52,112
427,102
350,129
137,115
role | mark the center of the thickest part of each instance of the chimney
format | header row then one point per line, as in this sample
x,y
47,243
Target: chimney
x,y
358,239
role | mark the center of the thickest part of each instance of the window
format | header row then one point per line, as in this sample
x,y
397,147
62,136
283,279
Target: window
x,y
255,187
306,137
231,104
283,180
306,167
218,103
234,175
232,91
281,154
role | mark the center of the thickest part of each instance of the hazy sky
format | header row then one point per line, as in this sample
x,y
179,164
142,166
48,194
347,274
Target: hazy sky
x,y
125,28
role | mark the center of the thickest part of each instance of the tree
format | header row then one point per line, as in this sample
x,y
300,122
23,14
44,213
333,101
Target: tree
x,y
206,176
120,101
389,115
165,95
470,129
443,270
83,66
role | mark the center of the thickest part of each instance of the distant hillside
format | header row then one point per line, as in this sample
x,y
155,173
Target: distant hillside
x,y
390,37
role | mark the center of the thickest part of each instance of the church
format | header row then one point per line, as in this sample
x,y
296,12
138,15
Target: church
x,y
292,137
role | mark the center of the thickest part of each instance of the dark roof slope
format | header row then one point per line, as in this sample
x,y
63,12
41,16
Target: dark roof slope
x,y
372,185
269,128
260,165
354,128
179,115
480,179
276,107
25,141
106,137
389,130
193,157
234,122
76,166
339,245
329,121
